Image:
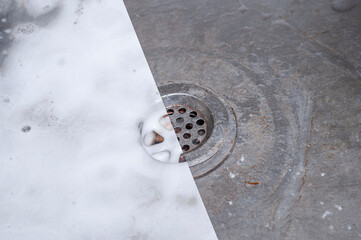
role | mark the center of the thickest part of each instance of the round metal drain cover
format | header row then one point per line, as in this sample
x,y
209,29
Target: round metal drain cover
x,y
204,123
190,124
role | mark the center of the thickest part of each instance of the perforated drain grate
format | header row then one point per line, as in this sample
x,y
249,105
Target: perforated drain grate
x,y
204,123
189,126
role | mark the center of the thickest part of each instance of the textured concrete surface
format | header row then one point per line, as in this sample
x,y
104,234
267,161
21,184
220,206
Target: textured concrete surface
x,y
291,71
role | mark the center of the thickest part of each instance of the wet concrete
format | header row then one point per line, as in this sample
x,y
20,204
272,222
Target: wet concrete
x,y
291,71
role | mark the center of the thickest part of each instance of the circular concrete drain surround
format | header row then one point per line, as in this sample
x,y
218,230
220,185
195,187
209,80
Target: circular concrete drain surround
x,y
204,123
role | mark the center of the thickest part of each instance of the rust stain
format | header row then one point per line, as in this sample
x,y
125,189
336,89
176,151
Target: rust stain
x,y
182,158
252,183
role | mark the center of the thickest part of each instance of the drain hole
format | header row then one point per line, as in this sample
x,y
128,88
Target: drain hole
x,y
201,132
189,125
182,110
185,148
170,111
196,141
165,122
187,136
200,122
193,114
153,139
179,120
177,130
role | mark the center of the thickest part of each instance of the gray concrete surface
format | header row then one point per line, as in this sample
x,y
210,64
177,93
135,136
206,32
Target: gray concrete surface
x,y
291,71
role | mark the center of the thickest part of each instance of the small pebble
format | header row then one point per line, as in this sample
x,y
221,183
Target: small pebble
x,y
26,129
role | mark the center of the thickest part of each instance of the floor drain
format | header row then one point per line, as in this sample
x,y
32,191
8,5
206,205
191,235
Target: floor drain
x,y
204,123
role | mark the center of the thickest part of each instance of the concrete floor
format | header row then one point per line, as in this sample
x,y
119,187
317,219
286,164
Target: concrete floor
x,y
291,71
